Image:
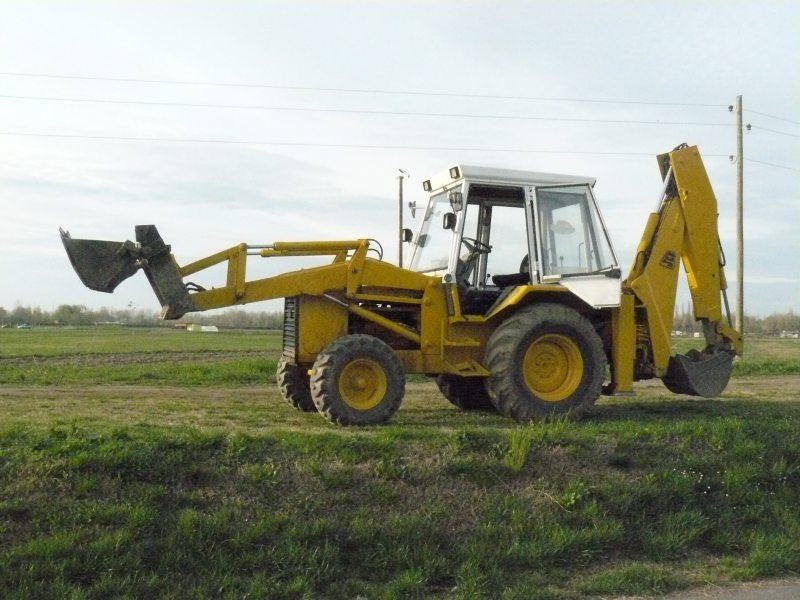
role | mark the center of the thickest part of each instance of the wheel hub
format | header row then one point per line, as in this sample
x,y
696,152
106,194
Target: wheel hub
x,y
362,384
553,367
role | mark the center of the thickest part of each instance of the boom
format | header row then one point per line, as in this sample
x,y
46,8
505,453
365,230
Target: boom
x,y
683,227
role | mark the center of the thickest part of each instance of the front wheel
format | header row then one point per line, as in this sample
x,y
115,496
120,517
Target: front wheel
x,y
357,380
294,386
545,360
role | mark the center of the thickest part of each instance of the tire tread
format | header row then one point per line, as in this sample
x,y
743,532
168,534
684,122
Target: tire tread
x,y
293,382
324,382
504,344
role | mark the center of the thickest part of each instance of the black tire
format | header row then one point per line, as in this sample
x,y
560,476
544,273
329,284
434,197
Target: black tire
x,y
293,382
467,393
560,335
369,397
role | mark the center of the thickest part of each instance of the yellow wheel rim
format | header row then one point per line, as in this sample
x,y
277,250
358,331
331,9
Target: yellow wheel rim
x,y
362,384
553,367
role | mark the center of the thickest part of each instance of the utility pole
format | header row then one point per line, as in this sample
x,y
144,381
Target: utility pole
x,y
403,174
739,218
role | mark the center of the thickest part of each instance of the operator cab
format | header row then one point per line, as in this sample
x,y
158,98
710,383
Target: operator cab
x,y
489,230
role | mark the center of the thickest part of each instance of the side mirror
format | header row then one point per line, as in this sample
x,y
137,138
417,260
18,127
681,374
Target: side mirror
x,y
407,235
449,221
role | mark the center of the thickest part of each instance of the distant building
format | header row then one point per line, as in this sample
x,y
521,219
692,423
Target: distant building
x,y
195,328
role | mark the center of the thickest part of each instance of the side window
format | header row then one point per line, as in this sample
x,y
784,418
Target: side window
x,y
509,240
565,243
573,239
471,217
431,247
469,274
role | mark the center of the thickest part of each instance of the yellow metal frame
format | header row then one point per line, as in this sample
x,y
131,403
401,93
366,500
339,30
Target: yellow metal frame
x,y
623,345
444,340
685,228
329,292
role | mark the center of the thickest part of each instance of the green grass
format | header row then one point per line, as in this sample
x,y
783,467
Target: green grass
x,y
64,341
772,366
246,370
52,356
632,579
210,493
762,355
143,463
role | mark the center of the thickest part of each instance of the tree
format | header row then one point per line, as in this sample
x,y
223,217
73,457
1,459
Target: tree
x,y
72,314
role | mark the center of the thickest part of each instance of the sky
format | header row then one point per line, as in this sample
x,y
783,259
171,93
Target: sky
x,y
207,196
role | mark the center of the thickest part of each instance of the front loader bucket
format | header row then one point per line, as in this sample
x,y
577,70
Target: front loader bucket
x,y
100,265
699,373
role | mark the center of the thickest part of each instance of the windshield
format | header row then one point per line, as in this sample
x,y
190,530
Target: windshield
x,y
573,239
431,246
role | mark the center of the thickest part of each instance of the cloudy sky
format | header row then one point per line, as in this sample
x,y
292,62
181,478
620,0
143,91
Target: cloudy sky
x,y
206,196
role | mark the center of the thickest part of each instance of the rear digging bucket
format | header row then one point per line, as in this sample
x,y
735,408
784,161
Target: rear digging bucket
x,y
699,373
101,265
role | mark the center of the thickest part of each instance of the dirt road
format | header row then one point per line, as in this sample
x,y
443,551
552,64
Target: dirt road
x,y
784,589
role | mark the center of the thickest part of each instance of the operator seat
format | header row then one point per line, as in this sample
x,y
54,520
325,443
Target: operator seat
x,y
521,278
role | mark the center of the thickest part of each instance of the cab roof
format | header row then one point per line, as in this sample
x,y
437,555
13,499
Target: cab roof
x,y
505,176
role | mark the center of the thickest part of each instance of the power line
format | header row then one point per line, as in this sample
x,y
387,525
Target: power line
x,y
775,131
363,111
359,90
755,112
763,162
330,145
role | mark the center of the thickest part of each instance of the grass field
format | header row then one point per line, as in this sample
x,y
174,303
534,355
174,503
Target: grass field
x,y
52,356
158,486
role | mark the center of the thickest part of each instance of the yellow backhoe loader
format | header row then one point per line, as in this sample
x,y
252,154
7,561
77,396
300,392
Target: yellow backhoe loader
x,y
513,298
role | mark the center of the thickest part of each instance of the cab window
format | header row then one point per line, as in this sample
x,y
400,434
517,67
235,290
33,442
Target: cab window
x,y
496,218
573,240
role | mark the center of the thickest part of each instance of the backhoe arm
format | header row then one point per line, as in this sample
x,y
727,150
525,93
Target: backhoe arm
x,y
684,227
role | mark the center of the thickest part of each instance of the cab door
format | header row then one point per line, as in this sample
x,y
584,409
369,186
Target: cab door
x,y
573,246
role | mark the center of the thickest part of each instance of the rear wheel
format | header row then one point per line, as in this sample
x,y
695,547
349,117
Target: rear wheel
x,y
294,385
545,360
467,393
357,380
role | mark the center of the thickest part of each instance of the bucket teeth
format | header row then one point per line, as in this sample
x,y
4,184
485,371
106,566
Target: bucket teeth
x,y
699,373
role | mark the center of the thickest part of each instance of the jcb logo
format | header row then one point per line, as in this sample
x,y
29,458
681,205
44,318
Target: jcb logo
x,y
668,260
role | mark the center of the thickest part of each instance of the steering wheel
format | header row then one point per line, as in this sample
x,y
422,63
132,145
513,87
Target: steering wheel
x,y
467,265
475,247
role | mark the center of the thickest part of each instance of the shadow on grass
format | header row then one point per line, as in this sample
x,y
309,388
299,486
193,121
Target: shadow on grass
x,y
681,408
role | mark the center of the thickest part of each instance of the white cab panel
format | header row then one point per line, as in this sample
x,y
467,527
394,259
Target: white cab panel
x,y
597,291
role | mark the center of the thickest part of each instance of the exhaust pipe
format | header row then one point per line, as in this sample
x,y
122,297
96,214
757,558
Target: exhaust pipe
x,y
102,265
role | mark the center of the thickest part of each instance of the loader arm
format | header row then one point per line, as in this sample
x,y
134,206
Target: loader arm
x,y
684,227
103,265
